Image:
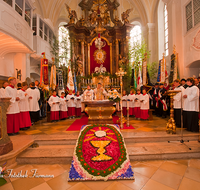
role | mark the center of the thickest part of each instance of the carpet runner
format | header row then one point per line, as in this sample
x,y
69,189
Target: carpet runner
x,y
76,125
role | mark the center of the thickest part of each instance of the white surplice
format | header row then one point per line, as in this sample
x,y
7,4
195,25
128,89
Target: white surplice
x,y
131,97
63,104
138,97
177,97
24,101
71,102
78,100
145,104
54,103
88,95
124,103
33,103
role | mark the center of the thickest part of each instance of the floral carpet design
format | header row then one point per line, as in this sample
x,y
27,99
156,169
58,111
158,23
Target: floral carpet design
x,y
100,154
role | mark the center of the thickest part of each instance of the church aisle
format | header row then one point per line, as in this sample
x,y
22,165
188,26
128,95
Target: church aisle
x,y
149,175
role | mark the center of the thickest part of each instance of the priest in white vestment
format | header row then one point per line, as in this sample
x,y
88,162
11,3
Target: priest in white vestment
x,y
54,102
144,105
33,103
24,106
191,106
100,93
13,113
63,106
178,102
88,94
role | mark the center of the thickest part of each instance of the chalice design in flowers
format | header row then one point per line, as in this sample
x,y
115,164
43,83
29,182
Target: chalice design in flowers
x,y
101,145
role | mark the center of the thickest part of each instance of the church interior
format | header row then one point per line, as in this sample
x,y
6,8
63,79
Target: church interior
x,y
107,93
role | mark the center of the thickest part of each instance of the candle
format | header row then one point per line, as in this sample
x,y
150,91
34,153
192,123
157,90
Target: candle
x,y
115,82
127,105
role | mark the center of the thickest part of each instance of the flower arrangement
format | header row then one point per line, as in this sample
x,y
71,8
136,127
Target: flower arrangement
x,y
2,173
100,154
114,96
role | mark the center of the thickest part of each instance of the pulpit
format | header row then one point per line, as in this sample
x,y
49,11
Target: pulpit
x,y
5,142
99,112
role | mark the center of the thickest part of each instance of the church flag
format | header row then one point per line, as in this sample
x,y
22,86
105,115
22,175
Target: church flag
x,y
159,71
75,83
139,84
135,79
53,77
70,82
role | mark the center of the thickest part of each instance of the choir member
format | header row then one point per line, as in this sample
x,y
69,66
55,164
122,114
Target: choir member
x,y
137,104
71,105
144,107
54,102
5,84
19,86
191,106
124,103
155,99
13,113
63,106
88,94
3,91
24,107
33,103
162,106
178,102
131,98
78,100
183,83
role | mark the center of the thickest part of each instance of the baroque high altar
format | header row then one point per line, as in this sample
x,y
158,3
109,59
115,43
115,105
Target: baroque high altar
x,y
99,39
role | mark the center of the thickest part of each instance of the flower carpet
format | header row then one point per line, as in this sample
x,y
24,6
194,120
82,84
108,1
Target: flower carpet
x,y
100,154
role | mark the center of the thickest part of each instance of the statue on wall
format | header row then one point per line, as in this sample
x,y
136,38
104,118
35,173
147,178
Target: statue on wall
x,y
125,15
100,69
81,22
72,14
93,17
122,61
79,64
106,18
117,22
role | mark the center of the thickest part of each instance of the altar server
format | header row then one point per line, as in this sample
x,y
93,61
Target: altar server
x,y
144,105
124,103
63,106
33,103
2,90
88,94
13,113
78,100
24,107
178,102
131,98
71,105
54,102
137,104
191,106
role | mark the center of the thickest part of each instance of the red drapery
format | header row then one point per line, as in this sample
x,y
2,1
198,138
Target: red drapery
x,y
93,63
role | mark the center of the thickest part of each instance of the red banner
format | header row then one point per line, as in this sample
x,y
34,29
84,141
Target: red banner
x,y
45,71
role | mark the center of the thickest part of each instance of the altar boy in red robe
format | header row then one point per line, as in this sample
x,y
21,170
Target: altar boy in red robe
x,y
131,98
137,104
63,106
124,103
54,102
13,113
71,105
78,104
144,106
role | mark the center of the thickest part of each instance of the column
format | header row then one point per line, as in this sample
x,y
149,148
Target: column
x,y
151,41
23,10
38,25
83,56
13,5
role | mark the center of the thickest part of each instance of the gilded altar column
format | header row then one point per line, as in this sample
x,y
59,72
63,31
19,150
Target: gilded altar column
x,y
117,54
83,56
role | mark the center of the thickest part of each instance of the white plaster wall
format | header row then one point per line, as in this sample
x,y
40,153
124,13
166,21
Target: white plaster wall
x,y
7,65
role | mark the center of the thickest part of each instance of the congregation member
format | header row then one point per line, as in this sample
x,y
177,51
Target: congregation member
x,y
178,102
162,106
155,99
124,103
137,104
191,106
63,106
78,100
131,98
24,107
33,103
13,113
54,102
144,105
88,94
71,105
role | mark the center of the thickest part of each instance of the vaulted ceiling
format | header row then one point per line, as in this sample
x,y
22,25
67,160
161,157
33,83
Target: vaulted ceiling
x,y
54,10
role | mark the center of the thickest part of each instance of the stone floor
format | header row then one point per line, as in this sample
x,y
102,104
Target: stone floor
x,y
149,175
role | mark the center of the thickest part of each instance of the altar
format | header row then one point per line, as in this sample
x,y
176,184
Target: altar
x,y
99,111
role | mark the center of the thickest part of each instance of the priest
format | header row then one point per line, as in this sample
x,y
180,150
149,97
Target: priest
x,y
13,113
33,103
191,106
88,94
178,102
99,92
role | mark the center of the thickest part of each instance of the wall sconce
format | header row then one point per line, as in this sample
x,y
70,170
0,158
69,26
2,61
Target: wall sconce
x,y
19,74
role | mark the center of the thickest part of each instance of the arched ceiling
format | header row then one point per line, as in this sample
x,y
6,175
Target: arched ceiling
x,y
55,9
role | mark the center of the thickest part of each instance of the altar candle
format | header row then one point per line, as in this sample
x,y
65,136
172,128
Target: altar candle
x,y
115,82
127,105
112,81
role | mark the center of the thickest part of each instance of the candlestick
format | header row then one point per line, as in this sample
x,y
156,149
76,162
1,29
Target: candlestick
x,y
127,113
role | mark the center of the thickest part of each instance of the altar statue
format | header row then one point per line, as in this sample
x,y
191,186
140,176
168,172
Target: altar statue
x,y
72,14
100,69
99,92
125,15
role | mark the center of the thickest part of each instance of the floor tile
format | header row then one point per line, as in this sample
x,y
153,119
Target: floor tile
x,y
153,185
98,185
188,184
79,186
183,162
144,169
43,186
174,168
136,184
167,178
7,186
195,163
117,186
155,163
193,173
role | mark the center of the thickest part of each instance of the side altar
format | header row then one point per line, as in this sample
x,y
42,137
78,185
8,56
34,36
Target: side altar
x,y
99,111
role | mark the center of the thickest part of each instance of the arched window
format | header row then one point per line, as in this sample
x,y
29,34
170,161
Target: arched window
x,y
166,31
64,46
136,35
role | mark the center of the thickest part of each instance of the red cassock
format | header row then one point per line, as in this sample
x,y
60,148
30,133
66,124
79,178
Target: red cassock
x,y
63,114
78,112
54,115
124,110
131,111
144,114
71,111
54,102
137,112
